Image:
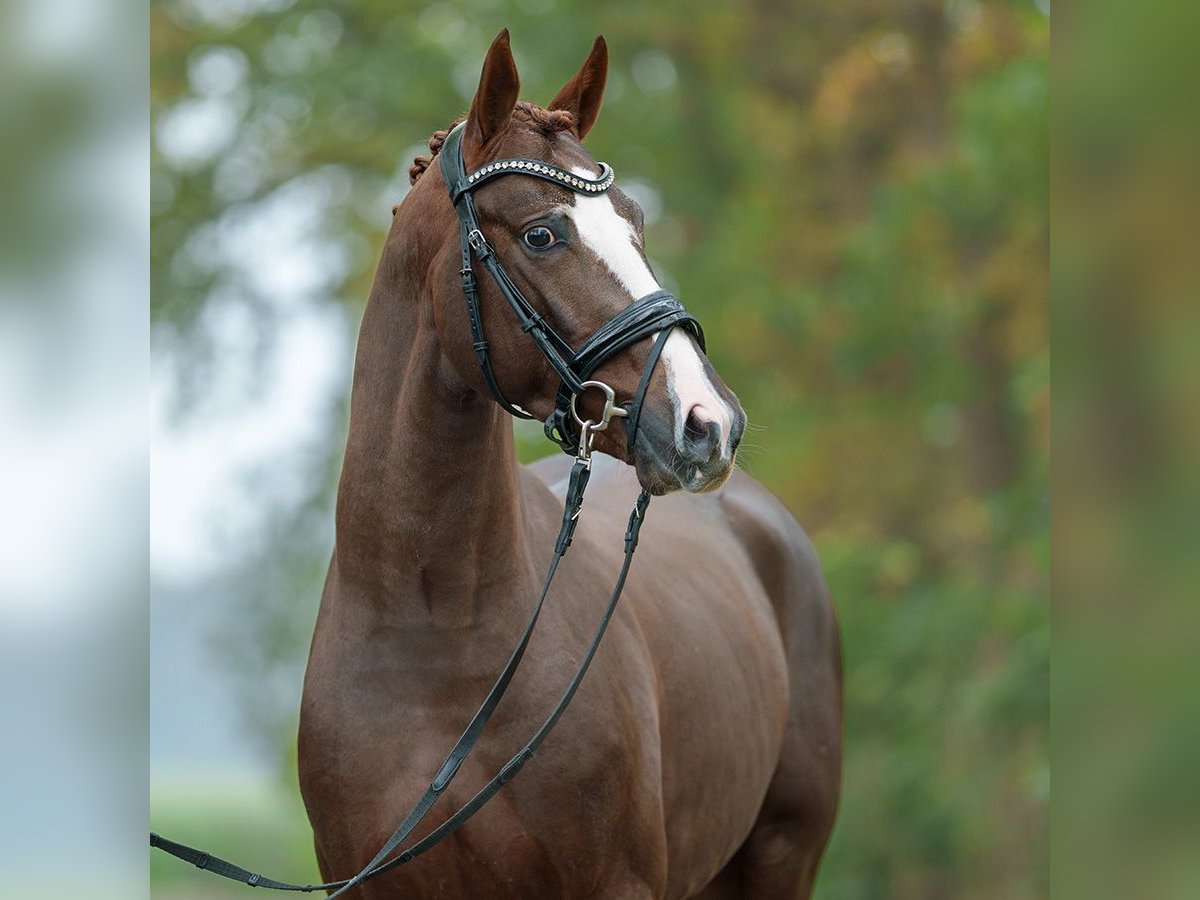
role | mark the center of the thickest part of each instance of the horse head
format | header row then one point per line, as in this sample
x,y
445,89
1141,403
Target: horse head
x,y
578,258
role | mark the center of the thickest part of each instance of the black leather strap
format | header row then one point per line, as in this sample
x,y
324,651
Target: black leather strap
x,y
577,485
209,863
639,399
522,756
479,340
642,318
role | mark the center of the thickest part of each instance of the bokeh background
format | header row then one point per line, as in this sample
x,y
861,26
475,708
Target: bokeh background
x,y
852,197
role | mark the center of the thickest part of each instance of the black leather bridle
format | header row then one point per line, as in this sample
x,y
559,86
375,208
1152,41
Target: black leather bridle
x,y
656,313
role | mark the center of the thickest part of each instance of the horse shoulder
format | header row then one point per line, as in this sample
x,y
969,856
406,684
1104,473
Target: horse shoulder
x,y
786,562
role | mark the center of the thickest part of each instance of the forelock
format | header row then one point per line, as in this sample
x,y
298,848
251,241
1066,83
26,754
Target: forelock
x,y
534,117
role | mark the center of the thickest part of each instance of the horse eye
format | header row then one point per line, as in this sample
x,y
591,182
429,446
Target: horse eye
x,y
539,237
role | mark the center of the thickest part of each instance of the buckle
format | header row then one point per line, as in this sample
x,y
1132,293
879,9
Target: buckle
x,y
478,243
583,453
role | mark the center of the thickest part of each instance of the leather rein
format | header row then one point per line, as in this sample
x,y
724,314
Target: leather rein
x,y
654,315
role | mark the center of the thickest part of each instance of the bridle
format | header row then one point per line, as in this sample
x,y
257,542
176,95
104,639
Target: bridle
x,y
658,313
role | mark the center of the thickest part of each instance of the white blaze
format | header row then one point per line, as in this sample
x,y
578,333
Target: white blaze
x,y
613,239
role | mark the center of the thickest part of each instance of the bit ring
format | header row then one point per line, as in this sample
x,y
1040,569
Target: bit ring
x,y
610,405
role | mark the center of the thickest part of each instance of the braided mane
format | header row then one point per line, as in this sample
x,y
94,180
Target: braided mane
x,y
546,121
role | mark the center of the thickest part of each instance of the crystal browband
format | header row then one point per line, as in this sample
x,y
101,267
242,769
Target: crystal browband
x,y
578,183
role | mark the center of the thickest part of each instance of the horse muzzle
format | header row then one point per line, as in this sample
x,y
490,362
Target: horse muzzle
x,y
697,458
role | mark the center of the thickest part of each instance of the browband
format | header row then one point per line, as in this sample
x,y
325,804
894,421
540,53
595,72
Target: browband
x,y
544,170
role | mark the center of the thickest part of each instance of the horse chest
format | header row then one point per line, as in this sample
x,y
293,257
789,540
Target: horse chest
x,y
372,737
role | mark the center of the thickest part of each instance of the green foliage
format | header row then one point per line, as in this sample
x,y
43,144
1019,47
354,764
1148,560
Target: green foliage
x,y
854,201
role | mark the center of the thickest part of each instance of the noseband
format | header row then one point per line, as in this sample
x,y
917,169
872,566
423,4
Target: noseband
x,y
659,312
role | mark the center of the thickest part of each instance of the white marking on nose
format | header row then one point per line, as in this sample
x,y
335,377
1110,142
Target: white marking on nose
x,y
612,238
692,390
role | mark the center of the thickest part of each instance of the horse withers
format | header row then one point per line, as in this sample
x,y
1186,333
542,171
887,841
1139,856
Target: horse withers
x,y
702,755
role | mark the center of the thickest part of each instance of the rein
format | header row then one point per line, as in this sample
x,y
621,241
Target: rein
x,y
658,313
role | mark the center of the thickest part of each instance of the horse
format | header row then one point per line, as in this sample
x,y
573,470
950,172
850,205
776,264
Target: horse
x,y
702,756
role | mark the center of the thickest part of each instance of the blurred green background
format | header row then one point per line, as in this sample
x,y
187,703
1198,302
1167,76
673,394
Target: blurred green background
x,y
852,198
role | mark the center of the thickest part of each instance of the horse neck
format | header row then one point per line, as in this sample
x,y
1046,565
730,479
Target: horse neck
x,y
428,512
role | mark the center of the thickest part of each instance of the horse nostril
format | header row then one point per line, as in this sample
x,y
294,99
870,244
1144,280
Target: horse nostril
x,y
701,436
694,429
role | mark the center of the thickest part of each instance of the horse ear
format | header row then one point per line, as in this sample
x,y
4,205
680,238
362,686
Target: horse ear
x,y
582,95
491,110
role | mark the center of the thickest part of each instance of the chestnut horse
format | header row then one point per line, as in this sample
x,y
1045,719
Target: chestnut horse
x,y
702,755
